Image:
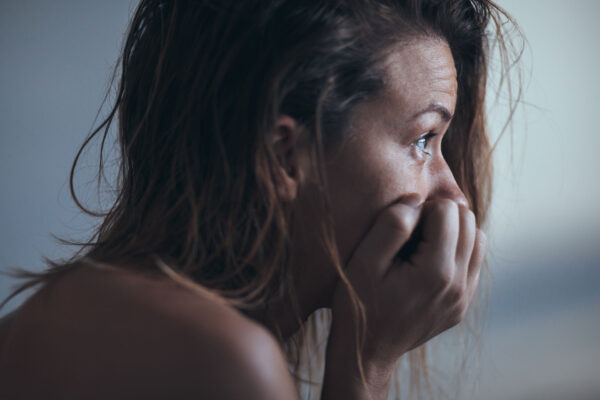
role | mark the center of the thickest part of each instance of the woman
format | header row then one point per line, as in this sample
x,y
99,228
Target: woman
x,y
276,158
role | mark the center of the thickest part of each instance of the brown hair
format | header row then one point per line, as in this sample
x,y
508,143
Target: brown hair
x,y
202,83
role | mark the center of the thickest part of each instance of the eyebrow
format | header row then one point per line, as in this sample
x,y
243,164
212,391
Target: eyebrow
x,y
434,107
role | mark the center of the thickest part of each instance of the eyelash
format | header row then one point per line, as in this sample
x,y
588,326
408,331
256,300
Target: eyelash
x,y
425,139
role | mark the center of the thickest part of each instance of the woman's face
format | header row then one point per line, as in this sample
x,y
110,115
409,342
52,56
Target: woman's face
x,y
394,151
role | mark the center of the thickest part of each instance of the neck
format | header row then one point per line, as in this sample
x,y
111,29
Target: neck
x,y
311,287
282,317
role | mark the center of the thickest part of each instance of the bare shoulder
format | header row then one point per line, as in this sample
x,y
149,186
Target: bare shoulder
x,y
123,334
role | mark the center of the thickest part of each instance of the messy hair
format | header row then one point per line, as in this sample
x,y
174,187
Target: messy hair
x,y
201,84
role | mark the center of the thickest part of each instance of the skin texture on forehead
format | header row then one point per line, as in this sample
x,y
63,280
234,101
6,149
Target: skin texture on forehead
x,y
423,64
417,74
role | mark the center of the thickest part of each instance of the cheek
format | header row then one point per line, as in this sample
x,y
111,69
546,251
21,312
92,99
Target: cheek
x,y
396,173
353,202
361,188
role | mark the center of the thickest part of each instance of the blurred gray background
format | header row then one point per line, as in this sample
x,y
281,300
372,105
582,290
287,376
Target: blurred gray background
x,y
541,336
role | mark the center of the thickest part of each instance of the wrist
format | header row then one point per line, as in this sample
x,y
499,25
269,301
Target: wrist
x,y
343,377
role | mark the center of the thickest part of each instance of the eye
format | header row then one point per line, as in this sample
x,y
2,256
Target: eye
x,y
423,142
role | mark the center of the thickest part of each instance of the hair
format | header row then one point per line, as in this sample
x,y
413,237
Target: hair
x,y
201,85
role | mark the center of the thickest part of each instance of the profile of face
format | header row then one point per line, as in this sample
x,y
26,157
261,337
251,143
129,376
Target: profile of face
x,y
395,151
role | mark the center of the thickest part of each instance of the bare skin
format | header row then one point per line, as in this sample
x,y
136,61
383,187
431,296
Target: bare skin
x,y
149,337
99,334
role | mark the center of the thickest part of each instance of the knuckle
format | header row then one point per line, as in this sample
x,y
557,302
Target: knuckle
x,y
443,279
455,294
397,221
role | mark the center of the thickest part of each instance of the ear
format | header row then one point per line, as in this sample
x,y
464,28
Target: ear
x,y
291,170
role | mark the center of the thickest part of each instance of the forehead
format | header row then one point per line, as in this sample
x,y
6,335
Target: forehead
x,y
419,73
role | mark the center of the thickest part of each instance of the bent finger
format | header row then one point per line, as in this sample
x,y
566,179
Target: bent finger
x,y
475,263
391,230
466,243
440,236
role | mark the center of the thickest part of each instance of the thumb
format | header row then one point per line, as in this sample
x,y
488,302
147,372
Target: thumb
x,y
391,230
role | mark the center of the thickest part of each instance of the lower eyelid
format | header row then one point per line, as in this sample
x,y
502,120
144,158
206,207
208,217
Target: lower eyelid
x,y
419,154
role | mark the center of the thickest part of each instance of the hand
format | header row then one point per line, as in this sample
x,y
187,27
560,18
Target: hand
x,y
409,301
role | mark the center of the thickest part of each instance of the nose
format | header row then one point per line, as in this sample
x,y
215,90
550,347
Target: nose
x,y
444,186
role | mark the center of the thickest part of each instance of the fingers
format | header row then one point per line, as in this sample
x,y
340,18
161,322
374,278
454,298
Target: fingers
x,y
475,263
451,255
440,238
391,230
466,242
